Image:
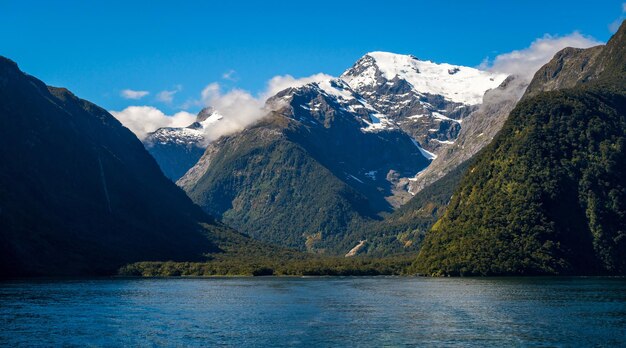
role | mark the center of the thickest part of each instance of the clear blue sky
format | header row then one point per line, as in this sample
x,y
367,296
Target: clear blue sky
x,y
97,48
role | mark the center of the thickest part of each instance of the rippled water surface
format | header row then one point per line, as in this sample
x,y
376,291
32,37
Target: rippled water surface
x,y
275,312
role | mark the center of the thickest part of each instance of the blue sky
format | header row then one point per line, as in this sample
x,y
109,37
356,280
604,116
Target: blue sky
x,y
98,49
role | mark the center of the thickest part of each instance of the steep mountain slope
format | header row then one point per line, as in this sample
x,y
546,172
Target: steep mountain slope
x,y
402,231
353,140
427,100
176,150
335,153
78,192
569,67
547,196
300,178
273,189
478,130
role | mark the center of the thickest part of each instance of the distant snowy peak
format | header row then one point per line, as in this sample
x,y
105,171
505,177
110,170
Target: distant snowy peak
x,y
190,135
458,84
205,114
205,118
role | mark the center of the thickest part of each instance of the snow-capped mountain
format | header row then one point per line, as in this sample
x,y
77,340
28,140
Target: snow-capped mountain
x,y
382,91
457,84
479,129
190,135
178,149
400,93
425,99
368,148
345,147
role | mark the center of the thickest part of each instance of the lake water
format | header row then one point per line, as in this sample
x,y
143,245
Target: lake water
x,y
378,311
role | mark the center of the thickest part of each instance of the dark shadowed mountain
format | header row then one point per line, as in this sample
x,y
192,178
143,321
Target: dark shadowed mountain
x,y
79,194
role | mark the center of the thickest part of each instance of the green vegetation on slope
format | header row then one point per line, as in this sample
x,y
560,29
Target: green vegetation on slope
x,y
313,266
403,230
273,190
546,197
243,256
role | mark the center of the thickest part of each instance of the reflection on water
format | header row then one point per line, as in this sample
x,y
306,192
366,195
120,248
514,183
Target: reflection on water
x,y
314,311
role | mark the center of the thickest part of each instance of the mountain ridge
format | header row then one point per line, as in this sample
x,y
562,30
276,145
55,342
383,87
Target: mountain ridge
x,y
545,197
79,193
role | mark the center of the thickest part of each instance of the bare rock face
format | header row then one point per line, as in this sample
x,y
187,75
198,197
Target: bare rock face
x,y
568,67
478,130
426,100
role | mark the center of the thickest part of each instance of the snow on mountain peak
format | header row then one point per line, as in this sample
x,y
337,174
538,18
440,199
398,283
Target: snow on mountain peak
x,y
336,88
191,135
205,113
456,83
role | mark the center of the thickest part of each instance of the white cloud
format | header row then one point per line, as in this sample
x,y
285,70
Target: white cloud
x,y
142,120
527,61
131,94
240,108
237,107
168,96
282,82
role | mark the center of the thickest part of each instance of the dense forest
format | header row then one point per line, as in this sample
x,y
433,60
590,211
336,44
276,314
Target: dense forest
x,y
548,195
242,256
270,188
402,231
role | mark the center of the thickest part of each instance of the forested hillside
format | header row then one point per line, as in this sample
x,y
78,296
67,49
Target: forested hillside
x,y
548,196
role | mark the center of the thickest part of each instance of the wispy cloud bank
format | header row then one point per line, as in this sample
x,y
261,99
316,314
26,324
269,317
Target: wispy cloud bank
x,y
142,120
524,63
527,61
282,82
132,94
239,108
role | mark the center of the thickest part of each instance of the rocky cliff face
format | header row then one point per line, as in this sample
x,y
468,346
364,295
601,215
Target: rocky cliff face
x,y
568,67
427,100
479,129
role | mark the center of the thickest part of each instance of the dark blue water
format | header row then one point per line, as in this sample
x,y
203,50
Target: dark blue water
x,y
314,312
